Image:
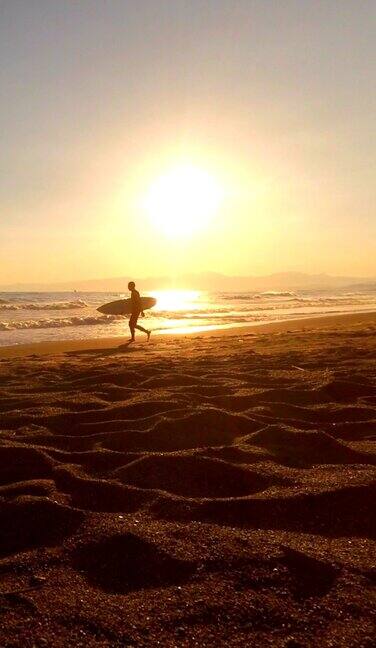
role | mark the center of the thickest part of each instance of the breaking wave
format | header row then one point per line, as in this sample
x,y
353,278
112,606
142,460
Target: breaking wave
x,y
278,293
261,295
90,320
240,297
53,306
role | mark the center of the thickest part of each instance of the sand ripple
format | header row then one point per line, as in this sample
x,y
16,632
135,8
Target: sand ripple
x,y
206,484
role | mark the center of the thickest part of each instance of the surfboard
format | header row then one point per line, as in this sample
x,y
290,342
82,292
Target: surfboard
x,y
124,306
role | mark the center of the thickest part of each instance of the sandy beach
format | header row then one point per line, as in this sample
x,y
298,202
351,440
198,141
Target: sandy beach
x,y
204,490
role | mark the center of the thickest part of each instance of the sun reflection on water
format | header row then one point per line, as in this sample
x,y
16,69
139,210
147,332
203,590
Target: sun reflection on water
x,y
177,300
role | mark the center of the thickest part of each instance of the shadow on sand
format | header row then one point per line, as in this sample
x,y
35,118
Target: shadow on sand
x,y
122,348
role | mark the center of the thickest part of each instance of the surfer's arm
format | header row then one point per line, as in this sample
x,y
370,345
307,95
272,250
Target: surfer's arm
x,y
136,300
140,306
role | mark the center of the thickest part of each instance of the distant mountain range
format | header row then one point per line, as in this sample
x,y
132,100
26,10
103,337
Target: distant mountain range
x,y
203,281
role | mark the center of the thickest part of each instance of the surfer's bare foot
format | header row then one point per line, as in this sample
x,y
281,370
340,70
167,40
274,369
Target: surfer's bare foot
x,y
131,340
148,333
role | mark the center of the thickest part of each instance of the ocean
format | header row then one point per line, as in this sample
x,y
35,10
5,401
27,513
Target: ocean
x,y
37,317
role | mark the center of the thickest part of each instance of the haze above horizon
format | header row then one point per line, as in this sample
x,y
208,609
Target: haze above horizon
x,y
170,138
206,281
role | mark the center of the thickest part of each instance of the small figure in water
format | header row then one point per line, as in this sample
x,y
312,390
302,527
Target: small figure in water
x,y
136,312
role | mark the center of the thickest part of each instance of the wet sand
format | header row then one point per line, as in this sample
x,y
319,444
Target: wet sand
x,y
205,490
63,346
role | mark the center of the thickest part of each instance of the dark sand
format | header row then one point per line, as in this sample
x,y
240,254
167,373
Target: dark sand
x,y
212,490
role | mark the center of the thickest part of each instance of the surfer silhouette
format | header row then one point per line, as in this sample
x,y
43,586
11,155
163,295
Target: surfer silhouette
x,y
136,312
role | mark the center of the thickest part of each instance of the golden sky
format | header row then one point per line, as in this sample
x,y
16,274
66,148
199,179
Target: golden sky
x,y
153,138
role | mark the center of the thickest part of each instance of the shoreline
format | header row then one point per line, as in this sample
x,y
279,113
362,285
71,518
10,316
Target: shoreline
x,y
257,328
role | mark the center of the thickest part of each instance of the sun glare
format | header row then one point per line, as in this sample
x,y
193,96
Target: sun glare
x,y
183,201
175,300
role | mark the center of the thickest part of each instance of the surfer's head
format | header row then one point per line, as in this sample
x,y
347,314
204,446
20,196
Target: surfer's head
x,y
131,285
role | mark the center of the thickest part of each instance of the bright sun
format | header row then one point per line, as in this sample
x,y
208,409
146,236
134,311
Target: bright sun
x,y
182,201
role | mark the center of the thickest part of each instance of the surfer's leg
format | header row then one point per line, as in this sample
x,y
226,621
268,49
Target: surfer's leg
x,y
137,326
132,326
141,328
